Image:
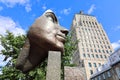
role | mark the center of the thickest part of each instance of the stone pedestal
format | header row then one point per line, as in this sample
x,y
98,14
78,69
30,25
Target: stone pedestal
x,y
54,66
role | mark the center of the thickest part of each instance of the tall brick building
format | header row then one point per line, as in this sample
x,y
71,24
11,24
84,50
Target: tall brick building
x,y
93,46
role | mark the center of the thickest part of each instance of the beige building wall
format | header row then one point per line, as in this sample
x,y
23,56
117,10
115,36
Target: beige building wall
x,y
93,47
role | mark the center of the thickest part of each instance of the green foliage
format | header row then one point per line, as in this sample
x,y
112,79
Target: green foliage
x,y
70,47
12,46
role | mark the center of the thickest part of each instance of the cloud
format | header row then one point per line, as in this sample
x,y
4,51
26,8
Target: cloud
x,y
66,11
1,48
44,7
6,23
1,8
59,17
3,63
1,60
12,3
117,28
92,7
116,45
28,8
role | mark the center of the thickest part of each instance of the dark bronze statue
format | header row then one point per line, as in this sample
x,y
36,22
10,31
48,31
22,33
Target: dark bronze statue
x,y
44,35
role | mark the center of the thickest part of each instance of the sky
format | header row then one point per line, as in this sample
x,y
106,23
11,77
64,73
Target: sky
x,y
18,15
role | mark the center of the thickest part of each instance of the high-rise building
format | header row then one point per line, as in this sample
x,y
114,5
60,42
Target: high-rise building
x,y
93,46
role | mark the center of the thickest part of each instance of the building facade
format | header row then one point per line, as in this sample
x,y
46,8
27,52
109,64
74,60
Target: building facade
x,y
111,71
93,44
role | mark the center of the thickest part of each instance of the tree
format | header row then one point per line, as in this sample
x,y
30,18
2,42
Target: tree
x,y
12,46
70,47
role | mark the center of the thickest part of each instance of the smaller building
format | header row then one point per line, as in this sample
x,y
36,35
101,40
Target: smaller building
x,y
74,73
110,70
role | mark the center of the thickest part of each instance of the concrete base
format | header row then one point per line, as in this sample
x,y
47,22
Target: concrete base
x,y
54,66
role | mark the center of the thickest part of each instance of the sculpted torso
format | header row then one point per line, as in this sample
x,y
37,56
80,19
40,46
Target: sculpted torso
x,y
44,35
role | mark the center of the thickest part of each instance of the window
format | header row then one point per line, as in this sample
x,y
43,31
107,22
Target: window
x,y
83,49
107,51
99,51
88,55
99,77
110,51
91,71
92,55
108,73
95,37
117,69
105,46
101,56
90,65
99,64
98,46
91,50
87,49
103,51
101,46
84,55
105,56
83,22
97,55
96,23
89,22
109,47
96,78
103,76
94,64
95,50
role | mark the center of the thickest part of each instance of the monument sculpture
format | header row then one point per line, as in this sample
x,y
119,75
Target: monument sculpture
x,y
44,35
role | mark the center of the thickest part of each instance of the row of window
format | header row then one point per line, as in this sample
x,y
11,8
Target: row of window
x,y
94,64
94,56
90,40
92,32
92,37
103,76
88,24
95,46
96,50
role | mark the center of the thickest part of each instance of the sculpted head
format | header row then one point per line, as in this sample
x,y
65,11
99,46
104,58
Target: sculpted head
x,y
44,35
50,35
